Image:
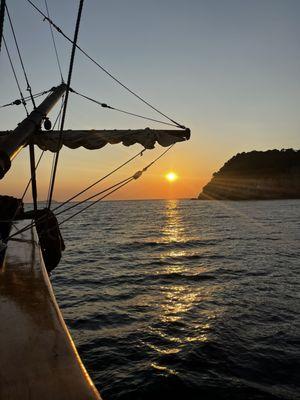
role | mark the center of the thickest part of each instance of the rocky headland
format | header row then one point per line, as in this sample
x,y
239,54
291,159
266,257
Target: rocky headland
x,y
256,175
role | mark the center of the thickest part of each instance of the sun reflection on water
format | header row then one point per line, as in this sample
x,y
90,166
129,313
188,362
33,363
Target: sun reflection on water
x,y
178,300
181,300
173,230
163,369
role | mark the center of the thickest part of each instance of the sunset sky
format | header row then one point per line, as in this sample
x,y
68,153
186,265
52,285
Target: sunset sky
x,y
228,69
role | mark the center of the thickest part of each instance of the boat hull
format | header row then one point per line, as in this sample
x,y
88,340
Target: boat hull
x,y
38,357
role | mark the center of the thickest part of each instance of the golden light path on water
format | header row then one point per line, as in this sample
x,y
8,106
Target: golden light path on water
x,y
180,299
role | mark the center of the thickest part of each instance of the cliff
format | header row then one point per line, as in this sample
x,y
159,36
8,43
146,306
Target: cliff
x,y
257,175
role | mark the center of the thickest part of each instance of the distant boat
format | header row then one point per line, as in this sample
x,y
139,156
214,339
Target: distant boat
x,y
38,357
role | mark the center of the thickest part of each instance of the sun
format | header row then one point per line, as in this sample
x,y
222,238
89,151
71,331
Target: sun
x,y
171,176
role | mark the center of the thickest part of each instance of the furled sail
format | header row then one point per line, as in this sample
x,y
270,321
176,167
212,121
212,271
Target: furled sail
x,y
95,139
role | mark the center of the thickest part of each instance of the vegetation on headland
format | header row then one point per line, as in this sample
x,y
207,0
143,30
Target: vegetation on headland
x,y
257,175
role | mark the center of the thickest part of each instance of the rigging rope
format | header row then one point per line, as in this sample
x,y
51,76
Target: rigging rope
x,y
78,194
74,42
53,159
105,105
33,175
31,145
29,182
25,190
90,186
96,201
122,183
114,187
2,12
102,68
54,44
71,65
36,167
41,155
140,153
93,196
15,76
17,102
20,57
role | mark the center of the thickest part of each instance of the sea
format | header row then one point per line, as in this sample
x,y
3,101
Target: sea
x,y
182,299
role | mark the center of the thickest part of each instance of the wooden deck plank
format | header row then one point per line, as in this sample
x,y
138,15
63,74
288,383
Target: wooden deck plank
x,y
38,359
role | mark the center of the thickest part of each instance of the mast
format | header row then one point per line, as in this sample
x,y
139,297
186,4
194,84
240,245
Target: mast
x,y
2,12
14,142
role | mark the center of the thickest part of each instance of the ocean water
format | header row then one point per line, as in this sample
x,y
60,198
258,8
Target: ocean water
x,y
185,299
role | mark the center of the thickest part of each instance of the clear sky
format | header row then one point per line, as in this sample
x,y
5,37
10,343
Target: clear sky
x,y
228,69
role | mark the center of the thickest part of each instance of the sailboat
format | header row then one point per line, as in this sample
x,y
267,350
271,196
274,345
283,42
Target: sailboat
x,y
38,358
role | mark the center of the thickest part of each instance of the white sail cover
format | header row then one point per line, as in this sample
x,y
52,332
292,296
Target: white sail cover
x,y
95,139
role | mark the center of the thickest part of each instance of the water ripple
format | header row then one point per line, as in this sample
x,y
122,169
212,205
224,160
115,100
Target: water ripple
x,y
180,299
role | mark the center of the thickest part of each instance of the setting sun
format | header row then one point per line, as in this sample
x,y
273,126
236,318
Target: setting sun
x,y
171,176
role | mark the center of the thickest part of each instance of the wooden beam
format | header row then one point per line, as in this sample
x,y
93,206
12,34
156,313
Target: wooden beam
x,y
12,144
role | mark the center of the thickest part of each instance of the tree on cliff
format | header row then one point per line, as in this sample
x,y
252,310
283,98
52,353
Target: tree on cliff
x,y
270,162
271,174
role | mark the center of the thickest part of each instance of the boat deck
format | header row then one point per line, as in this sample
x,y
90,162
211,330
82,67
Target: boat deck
x,y
38,359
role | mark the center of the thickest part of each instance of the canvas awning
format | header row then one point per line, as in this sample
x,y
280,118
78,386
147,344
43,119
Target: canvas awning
x,y
95,139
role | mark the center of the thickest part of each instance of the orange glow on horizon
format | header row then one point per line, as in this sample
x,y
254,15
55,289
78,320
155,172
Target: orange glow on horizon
x,y
80,171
